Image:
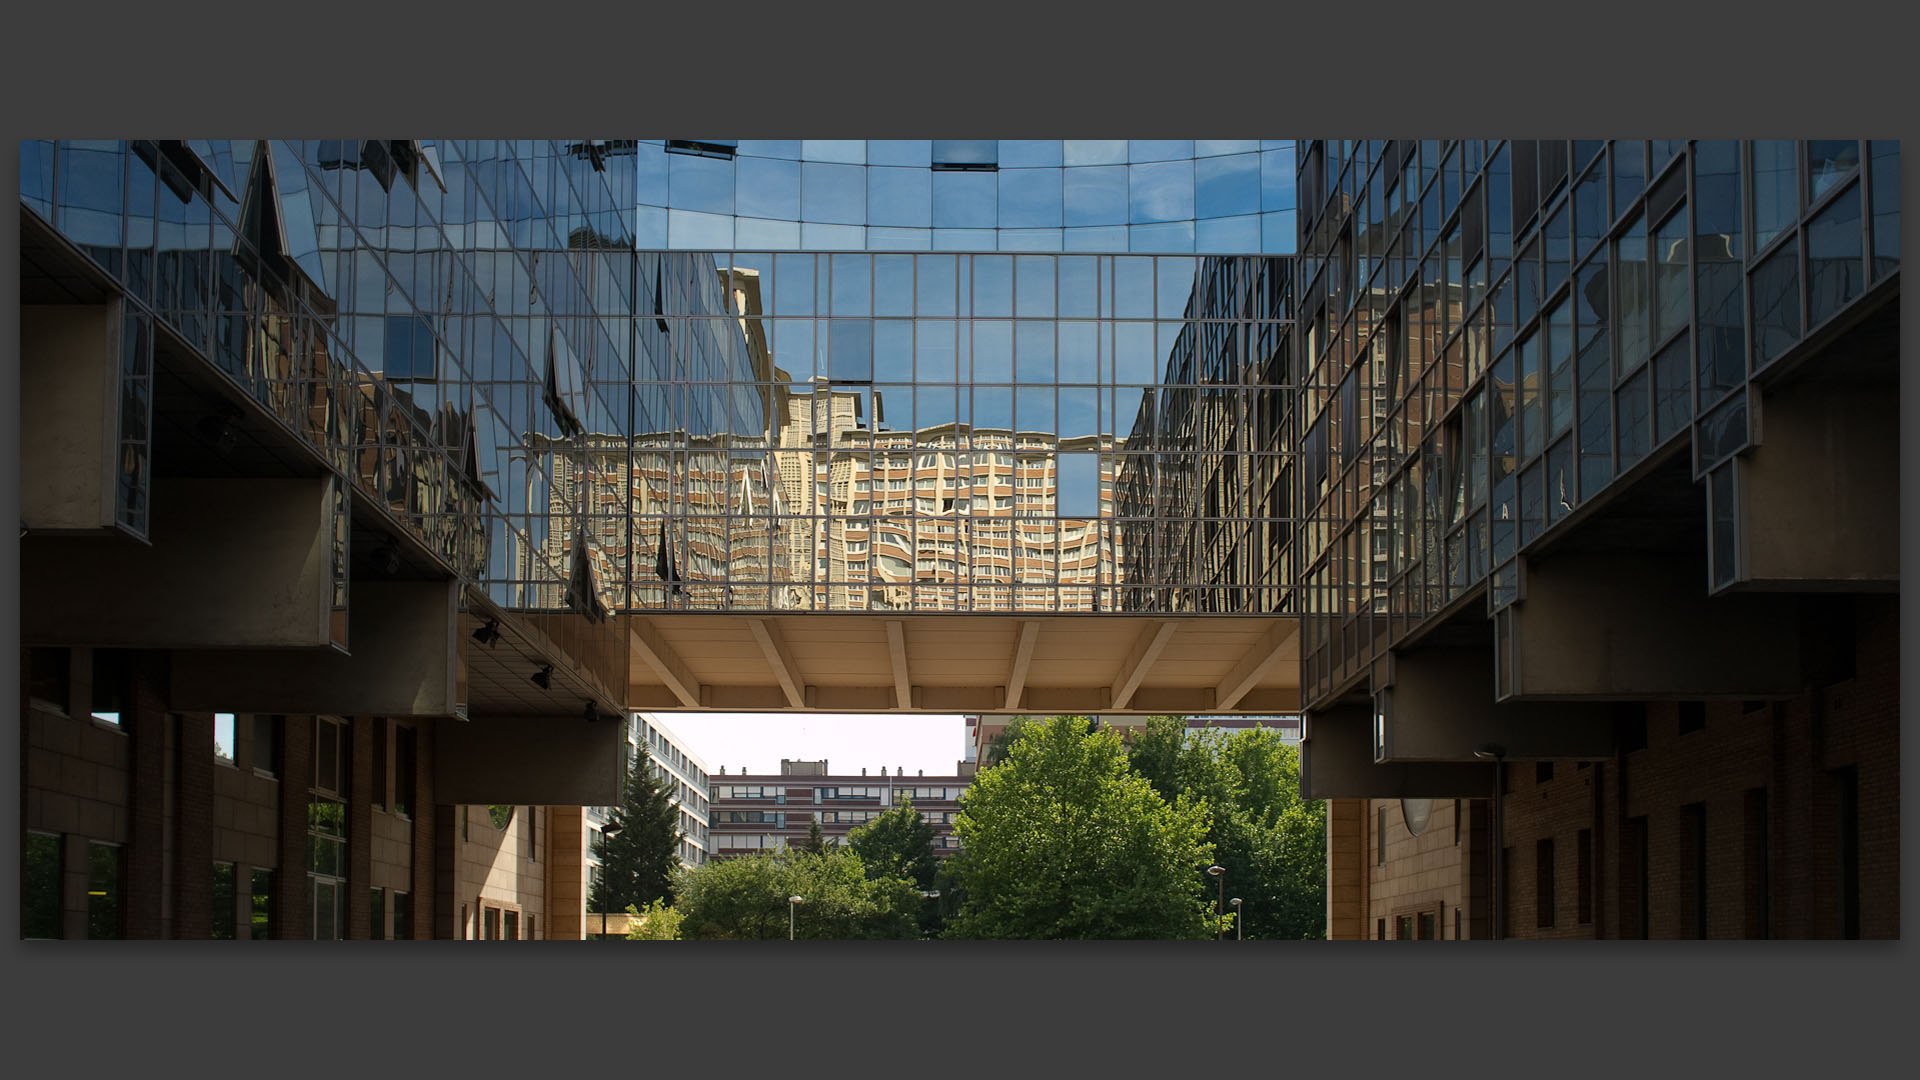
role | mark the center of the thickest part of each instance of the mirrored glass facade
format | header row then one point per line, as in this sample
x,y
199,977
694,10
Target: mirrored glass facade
x,y
1226,197
1493,333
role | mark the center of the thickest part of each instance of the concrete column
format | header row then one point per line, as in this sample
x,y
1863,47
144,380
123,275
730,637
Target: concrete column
x,y
291,915
1347,870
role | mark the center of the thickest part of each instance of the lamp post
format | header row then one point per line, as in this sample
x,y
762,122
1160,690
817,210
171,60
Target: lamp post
x,y
607,831
1497,754
792,902
1219,874
1239,931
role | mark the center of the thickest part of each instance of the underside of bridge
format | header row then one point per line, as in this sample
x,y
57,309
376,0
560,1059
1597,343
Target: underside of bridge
x,y
950,662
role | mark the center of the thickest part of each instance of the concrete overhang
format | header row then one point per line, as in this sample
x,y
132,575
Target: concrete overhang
x,y
943,662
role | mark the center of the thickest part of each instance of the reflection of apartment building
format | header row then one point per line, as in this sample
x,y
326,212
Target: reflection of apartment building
x,y
766,812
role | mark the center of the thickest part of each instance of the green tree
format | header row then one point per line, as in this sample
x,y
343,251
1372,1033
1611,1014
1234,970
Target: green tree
x,y
638,862
1270,841
898,843
816,842
1064,840
658,923
746,897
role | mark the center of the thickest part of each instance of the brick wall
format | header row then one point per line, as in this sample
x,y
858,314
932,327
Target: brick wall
x,y
1424,873
192,885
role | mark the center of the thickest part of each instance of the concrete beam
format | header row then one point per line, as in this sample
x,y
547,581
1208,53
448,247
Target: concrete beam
x,y
792,686
897,658
69,433
1819,496
1254,666
1621,625
1022,660
206,581
1438,705
521,761
405,643
651,647
1336,762
1146,649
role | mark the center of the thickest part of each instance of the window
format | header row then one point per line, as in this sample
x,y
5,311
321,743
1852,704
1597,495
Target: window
x,y
103,891
492,931
1543,883
402,918
262,918
512,926
404,737
223,745
327,831
1542,771
1380,838
49,678
266,744
377,914
1693,717
109,684
1380,929
1693,840
42,873
966,155
1584,879
225,903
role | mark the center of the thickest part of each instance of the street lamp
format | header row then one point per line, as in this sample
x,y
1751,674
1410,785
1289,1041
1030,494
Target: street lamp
x,y
1239,931
1497,754
792,902
1219,874
607,831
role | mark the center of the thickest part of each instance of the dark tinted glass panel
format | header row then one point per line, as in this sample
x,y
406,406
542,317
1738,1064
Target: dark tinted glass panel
x,y
1723,526
1836,271
1723,432
402,917
1527,357
960,153
1633,425
1629,172
1560,480
1717,276
41,883
1776,201
1499,198
1559,364
103,891
1672,390
224,901
1775,288
1630,286
1828,162
1532,505
1886,208
1671,291
1557,249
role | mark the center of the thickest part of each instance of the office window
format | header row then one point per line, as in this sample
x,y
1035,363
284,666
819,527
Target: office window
x,y
1584,879
377,797
492,930
223,745
376,914
402,917
42,873
1380,929
266,743
262,916
1403,928
1759,914
1380,838
512,932
1543,883
1693,860
1693,717
404,749
109,684
224,900
1429,925
49,678
1846,799
103,891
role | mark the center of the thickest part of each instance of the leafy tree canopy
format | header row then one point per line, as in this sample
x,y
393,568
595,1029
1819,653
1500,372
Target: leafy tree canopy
x,y
746,897
898,843
1063,839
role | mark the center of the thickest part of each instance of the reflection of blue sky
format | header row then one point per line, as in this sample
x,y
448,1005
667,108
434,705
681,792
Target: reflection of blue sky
x,y
1161,192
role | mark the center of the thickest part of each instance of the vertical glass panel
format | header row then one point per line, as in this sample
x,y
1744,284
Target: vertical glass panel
x,y
992,351
1886,207
1078,352
1590,218
1094,151
992,405
1556,248
1133,288
1775,288
852,284
1227,186
103,892
1719,325
1828,162
1559,362
42,883
1095,195
1672,299
1030,198
1135,362
1672,390
1033,351
966,152
1527,361
1533,515
1501,401
965,200
1836,268
850,350
36,179
1632,422
1033,278
1595,415
1166,237
1177,281
1079,287
893,285
893,350
934,284
993,286
1776,202
1631,317
1034,409
1629,172
1160,192
1233,235
1724,527
1277,179
1560,490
